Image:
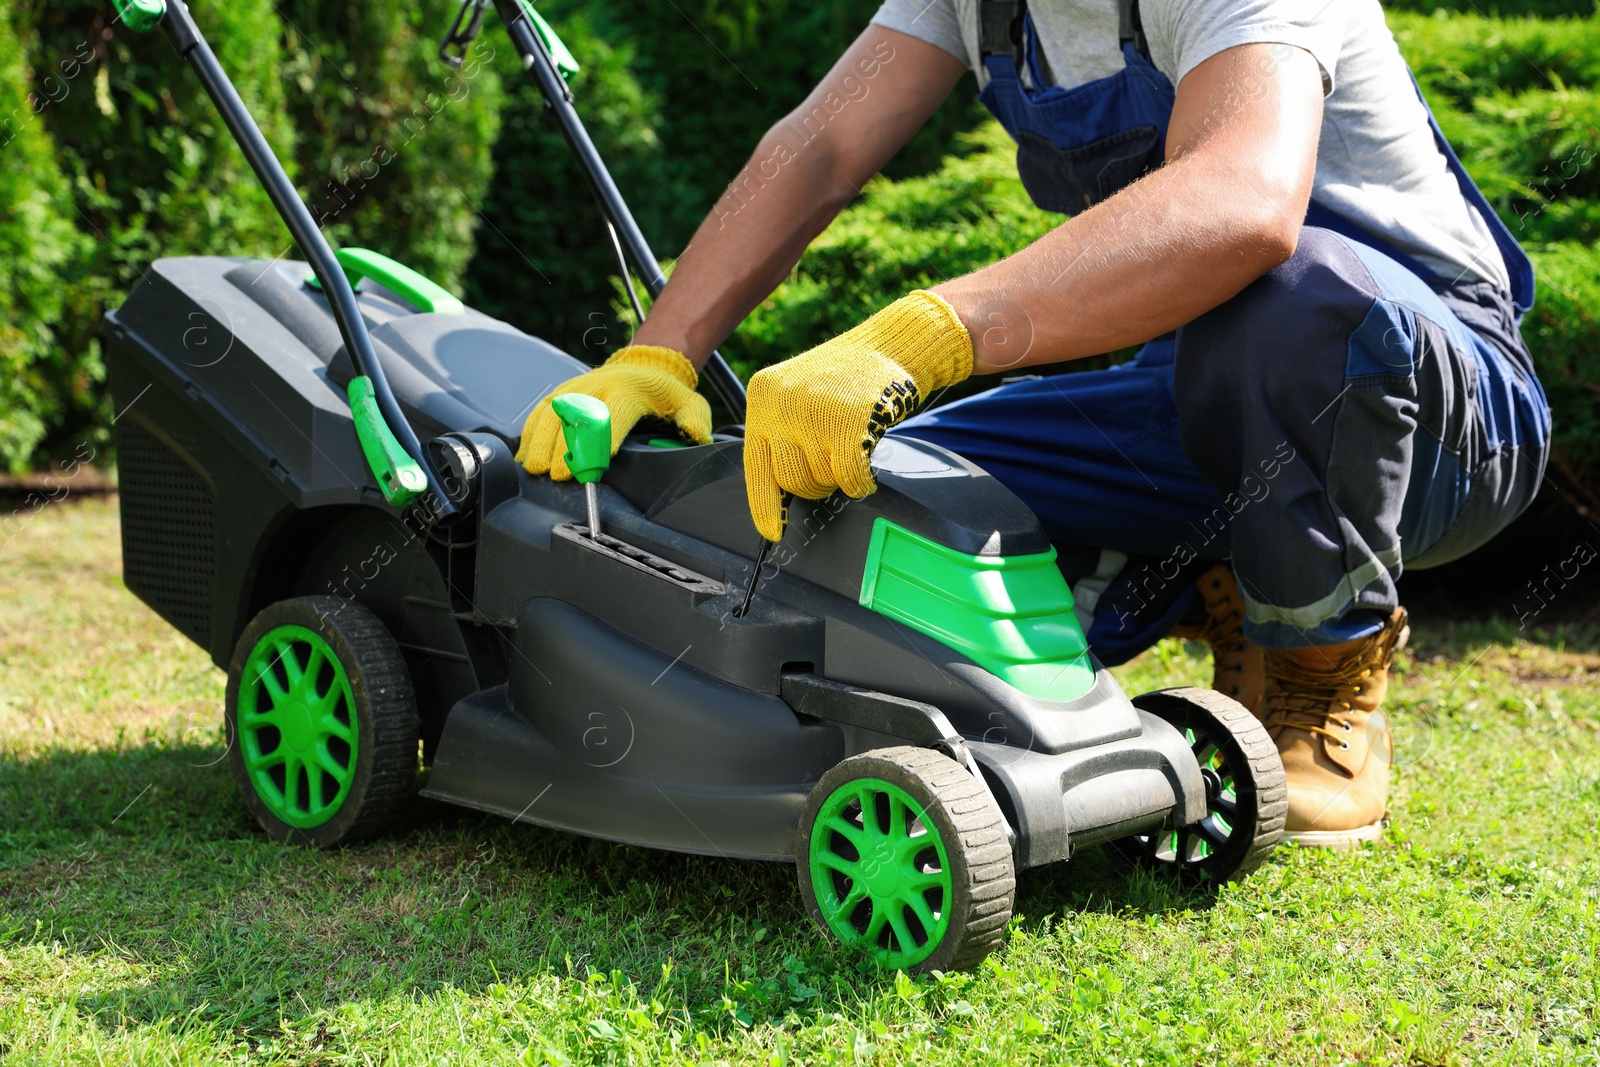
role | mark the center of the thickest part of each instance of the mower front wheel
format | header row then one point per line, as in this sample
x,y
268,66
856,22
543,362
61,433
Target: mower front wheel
x,y
903,857
321,722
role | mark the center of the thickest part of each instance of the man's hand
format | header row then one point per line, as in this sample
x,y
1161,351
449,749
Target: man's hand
x,y
636,381
813,421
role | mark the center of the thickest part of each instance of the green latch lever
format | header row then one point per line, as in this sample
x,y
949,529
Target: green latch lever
x,y
399,476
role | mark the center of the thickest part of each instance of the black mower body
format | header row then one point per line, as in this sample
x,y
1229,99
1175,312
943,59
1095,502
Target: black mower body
x,y
607,687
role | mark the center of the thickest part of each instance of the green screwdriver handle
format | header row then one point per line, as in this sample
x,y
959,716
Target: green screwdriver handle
x,y
586,426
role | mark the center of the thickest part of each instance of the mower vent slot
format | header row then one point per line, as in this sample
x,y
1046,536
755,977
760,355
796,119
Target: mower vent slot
x,y
168,531
639,559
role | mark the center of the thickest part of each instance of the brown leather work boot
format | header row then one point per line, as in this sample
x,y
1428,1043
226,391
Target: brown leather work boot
x,y
1235,662
1323,706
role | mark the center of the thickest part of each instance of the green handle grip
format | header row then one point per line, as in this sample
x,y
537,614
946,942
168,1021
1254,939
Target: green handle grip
x,y
140,15
399,476
418,290
566,62
586,427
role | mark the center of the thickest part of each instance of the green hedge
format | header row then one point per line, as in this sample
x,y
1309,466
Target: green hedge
x,y
900,236
37,242
393,147
1545,9
544,261
145,168
1563,332
1520,101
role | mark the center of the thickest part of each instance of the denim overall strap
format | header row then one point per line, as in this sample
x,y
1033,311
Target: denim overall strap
x,y
1518,266
1077,146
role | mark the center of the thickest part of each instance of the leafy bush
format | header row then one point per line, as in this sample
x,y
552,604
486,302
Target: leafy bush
x,y
150,171
1563,332
1480,56
1520,101
544,260
36,242
147,168
1527,8
726,70
393,147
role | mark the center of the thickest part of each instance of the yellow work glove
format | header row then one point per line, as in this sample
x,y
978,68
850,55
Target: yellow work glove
x,y
636,381
813,421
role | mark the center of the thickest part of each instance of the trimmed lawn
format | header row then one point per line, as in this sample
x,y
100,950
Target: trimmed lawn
x,y
144,919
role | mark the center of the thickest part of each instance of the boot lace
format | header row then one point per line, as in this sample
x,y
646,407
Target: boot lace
x,y
1309,699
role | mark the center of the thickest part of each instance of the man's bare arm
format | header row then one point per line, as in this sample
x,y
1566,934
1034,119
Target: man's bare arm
x,y
805,170
1225,209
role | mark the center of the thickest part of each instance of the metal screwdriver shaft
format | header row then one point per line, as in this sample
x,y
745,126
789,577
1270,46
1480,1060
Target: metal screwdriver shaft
x,y
591,497
755,572
755,576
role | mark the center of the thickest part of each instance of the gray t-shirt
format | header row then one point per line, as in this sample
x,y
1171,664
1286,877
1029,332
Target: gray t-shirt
x,y
1377,163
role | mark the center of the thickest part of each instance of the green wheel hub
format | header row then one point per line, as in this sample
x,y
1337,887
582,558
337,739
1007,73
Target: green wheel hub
x,y
297,729
880,872
1192,844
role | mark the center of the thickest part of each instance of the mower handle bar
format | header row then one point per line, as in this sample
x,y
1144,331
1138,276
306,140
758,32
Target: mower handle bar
x,y
536,56
186,37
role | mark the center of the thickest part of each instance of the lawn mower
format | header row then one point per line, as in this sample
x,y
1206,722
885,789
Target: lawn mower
x,y
318,487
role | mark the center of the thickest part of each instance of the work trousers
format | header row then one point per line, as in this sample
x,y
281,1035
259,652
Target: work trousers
x,y
1337,419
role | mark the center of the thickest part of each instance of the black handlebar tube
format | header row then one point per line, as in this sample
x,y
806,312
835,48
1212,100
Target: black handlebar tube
x,y
537,57
181,30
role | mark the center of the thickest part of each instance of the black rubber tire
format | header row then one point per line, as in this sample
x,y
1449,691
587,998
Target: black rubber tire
x,y
983,879
1251,757
385,712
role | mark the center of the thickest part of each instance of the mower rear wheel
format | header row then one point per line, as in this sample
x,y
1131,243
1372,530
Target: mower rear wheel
x,y
321,721
1246,794
903,856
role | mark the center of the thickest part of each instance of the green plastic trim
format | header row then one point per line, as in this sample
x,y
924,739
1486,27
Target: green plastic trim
x,y
297,726
418,290
892,867
665,442
1011,615
399,476
566,62
141,15
586,429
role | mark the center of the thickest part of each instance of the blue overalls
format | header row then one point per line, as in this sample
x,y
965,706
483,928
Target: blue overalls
x,y
1345,411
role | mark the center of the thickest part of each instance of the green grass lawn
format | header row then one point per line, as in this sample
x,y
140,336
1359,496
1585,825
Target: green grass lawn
x,y
144,919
